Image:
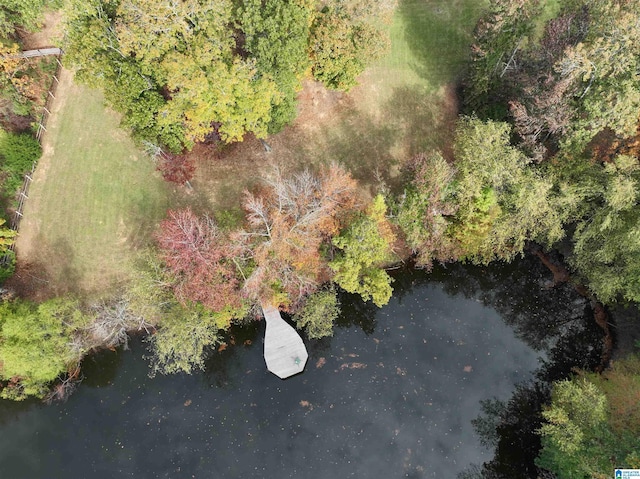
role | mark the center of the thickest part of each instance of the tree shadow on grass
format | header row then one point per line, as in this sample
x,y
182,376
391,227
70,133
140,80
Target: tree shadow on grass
x,y
438,34
375,149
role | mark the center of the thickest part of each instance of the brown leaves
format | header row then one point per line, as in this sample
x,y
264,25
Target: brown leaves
x,y
289,220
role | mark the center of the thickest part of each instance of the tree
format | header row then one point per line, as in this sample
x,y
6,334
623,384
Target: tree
x,y
318,314
184,331
606,246
174,168
36,346
180,70
498,37
343,42
170,68
200,260
276,35
365,247
19,13
427,208
289,221
585,434
181,342
503,201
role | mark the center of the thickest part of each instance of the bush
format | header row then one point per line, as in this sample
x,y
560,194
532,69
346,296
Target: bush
x,y
18,151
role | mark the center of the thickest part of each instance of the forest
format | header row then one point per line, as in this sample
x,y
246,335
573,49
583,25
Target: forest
x,y
542,156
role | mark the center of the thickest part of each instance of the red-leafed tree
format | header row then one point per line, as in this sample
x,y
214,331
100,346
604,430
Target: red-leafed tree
x,y
175,168
200,257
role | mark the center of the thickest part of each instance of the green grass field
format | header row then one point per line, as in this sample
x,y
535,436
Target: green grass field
x,y
94,201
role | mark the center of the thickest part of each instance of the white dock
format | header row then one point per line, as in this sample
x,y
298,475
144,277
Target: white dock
x,y
284,351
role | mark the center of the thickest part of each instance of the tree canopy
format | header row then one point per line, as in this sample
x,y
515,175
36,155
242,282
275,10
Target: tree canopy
x,y
180,72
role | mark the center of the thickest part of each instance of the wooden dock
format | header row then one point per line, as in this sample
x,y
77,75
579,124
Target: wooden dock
x,y
284,351
40,52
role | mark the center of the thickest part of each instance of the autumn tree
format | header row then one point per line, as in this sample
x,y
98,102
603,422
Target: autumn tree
x,y
364,248
179,70
184,331
200,258
289,221
170,68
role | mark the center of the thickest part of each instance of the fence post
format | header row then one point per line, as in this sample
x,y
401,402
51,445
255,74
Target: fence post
x,y
23,194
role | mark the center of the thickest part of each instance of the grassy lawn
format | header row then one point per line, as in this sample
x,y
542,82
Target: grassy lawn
x,y
94,201
405,104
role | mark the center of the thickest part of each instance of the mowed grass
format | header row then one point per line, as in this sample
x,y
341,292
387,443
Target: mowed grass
x,y
405,104
94,201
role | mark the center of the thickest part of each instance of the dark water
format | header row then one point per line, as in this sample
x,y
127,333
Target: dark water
x,y
392,394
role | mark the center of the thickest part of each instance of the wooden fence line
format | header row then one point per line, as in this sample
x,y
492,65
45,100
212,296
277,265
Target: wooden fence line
x,y
23,192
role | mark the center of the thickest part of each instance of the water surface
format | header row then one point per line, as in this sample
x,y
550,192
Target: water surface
x,y
392,394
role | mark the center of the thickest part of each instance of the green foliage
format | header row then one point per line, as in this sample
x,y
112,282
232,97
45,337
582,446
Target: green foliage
x,y
180,71
342,44
498,35
185,333
7,270
604,67
277,36
318,314
592,424
607,238
425,212
7,236
574,433
365,247
475,221
170,68
18,151
503,200
36,346
19,13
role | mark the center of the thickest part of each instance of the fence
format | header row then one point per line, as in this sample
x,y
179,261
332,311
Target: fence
x,y
23,193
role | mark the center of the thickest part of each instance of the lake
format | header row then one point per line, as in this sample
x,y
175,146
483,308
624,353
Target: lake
x,y
391,394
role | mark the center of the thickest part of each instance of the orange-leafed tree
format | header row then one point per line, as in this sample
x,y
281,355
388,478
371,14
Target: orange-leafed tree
x,y
289,219
201,259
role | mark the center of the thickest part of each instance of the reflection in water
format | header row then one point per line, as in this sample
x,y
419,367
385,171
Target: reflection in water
x,y
392,394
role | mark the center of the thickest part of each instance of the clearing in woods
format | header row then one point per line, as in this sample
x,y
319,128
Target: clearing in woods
x,y
405,104
95,199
